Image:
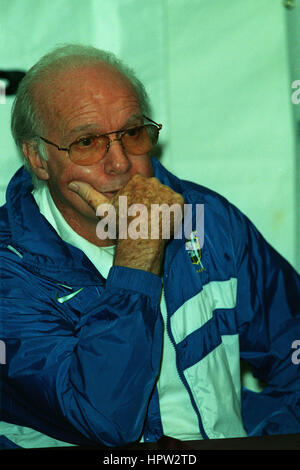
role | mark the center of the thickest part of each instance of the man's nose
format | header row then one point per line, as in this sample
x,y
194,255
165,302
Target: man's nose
x,y
116,160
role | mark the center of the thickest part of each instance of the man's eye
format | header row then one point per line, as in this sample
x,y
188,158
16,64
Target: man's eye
x,y
133,132
85,141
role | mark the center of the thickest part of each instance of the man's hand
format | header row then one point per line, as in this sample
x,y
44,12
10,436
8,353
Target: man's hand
x,y
141,253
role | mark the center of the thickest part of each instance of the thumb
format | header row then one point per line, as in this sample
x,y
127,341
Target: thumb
x,y
87,193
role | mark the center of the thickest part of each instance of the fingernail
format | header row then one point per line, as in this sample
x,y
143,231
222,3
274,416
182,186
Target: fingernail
x,y
74,187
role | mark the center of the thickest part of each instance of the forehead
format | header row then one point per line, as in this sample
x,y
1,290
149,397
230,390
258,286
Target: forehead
x,y
74,97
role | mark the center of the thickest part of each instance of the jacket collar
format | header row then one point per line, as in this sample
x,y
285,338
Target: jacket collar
x,y
42,249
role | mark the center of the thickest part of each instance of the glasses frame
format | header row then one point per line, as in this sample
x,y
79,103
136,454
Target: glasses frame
x,y
120,132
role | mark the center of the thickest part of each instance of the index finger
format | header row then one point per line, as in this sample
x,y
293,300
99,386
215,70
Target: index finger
x,y
87,193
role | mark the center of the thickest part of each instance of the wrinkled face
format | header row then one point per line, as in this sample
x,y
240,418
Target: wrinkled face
x,y
90,100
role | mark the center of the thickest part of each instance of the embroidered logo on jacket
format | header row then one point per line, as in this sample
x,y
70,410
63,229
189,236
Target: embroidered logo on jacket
x,y
193,248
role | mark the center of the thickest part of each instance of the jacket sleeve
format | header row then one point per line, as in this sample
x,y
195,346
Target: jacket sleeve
x,y
268,314
85,382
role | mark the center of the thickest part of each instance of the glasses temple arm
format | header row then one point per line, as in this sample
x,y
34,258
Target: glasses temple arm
x,y
158,125
54,145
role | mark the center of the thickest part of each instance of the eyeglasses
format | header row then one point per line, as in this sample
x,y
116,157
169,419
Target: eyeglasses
x,y
90,149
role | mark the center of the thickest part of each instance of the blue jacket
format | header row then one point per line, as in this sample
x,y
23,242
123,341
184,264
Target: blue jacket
x,y
84,371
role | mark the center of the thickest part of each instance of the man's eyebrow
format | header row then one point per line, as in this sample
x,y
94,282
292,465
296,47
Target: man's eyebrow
x,y
134,119
83,127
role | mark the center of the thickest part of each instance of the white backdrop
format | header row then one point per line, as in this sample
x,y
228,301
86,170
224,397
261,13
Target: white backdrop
x,y
219,79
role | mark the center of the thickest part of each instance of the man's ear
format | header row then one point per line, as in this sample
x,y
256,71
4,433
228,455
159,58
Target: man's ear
x,y
38,165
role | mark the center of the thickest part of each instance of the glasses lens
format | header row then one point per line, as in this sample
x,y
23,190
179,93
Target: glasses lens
x,y
88,150
140,140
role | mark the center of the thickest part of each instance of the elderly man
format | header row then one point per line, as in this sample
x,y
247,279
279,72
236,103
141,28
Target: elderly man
x,y
120,340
